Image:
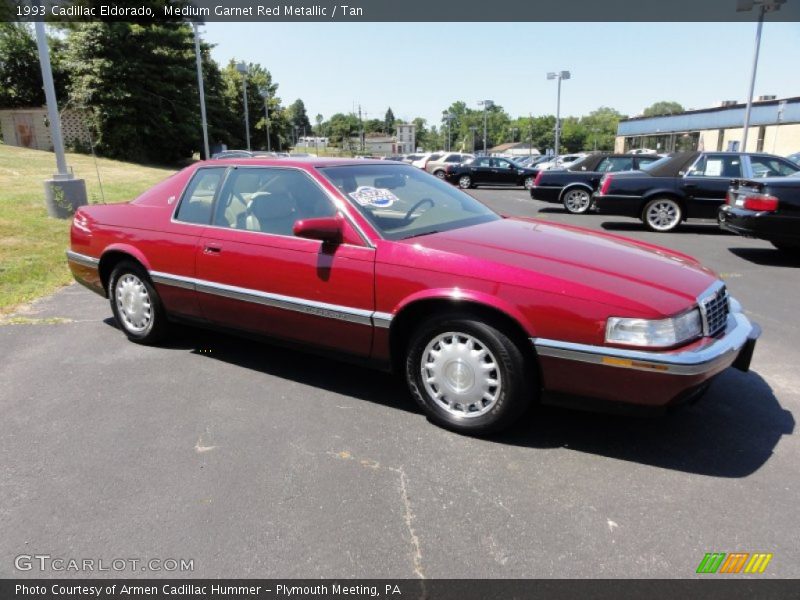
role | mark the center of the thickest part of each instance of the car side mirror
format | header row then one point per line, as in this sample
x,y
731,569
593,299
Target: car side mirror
x,y
325,229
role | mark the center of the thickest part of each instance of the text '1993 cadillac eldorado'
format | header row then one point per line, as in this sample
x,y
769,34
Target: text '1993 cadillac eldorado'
x,y
483,315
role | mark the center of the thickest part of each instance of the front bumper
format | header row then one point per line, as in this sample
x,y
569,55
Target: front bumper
x,y
644,377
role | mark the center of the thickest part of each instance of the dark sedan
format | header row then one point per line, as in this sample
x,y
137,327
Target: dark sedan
x,y
688,185
489,170
768,209
574,186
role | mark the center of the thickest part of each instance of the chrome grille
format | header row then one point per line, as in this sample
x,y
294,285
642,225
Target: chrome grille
x,y
714,308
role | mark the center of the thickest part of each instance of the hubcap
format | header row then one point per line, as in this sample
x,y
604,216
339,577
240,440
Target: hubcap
x,y
528,183
133,303
663,215
464,182
440,174
577,201
460,374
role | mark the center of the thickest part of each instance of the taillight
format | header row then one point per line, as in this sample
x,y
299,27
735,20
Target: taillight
x,y
729,199
538,178
761,203
605,184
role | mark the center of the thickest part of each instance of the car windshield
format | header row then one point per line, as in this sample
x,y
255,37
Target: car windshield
x,y
403,202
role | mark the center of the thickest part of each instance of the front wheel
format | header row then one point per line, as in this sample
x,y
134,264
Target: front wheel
x,y
135,304
577,201
467,375
662,214
465,182
439,174
528,183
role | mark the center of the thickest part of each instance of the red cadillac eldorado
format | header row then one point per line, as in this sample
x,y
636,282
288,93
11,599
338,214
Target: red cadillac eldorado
x,y
483,315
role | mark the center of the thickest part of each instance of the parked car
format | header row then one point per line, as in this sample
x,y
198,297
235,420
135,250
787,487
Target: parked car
x,y
795,158
489,170
768,209
423,160
574,186
530,161
482,315
233,154
437,167
643,151
687,185
562,162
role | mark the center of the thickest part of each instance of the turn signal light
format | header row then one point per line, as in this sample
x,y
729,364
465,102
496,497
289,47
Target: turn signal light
x,y
761,203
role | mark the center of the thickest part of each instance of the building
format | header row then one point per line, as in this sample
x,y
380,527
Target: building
x,y
406,138
376,144
29,128
307,142
774,128
513,149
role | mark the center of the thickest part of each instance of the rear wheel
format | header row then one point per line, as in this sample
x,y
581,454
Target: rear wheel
x,y
135,304
439,173
662,214
577,201
467,375
465,182
528,183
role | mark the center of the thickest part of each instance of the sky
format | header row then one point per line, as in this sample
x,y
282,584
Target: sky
x,y
419,69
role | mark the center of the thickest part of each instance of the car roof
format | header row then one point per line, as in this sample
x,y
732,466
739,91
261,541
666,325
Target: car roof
x,y
296,161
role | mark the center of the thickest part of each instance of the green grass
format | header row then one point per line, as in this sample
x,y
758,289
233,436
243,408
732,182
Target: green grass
x,y
32,245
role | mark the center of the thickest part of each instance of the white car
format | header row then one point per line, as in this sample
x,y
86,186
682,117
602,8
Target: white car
x,y
642,151
423,160
561,163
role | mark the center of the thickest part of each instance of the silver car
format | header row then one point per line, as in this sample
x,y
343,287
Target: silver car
x,y
438,166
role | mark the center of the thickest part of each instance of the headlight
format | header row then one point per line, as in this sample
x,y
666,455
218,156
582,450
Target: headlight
x,y
661,333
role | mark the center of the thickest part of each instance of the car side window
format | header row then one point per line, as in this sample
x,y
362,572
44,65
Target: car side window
x,y
717,165
197,200
453,158
768,166
481,162
615,163
502,164
270,200
647,160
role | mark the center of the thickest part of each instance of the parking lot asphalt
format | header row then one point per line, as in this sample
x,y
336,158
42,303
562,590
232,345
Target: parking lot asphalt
x,y
255,461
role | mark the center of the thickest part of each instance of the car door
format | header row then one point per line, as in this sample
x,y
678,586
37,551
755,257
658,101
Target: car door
x,y
255,275
706,183
503,172
480,170
173,249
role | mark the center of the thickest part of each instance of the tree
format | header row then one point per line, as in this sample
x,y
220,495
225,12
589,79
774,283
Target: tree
x,y
298,118
133,78
388,122
665,107
601,128
20,74
319,120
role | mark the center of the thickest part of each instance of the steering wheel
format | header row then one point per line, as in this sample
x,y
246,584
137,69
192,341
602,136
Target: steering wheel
x,y
416,206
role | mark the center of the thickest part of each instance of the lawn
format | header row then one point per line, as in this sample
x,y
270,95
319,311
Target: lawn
x,y
32,245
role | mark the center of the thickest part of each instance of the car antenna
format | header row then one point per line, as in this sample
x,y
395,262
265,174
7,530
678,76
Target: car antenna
x,y
94,155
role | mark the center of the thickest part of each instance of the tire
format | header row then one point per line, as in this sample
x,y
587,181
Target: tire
x,y
459,390
465,182
577,200
528,183
662,214
135,304
439,173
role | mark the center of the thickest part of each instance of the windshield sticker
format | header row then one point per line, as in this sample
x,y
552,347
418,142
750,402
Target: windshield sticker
x,y
370,196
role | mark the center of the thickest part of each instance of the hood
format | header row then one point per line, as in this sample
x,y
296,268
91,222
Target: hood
x,y
570,260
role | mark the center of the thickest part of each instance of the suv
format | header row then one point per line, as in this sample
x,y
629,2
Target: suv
x,y
438,166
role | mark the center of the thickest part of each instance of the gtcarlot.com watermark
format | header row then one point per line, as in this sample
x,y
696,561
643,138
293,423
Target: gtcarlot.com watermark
x,y
58,564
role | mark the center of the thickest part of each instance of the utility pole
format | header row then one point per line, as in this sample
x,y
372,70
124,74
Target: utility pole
x,y
559,76
486,105
360,130
201,88
242,68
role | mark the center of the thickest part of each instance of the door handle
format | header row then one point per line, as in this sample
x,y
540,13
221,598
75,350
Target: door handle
x,y
210,249
689,186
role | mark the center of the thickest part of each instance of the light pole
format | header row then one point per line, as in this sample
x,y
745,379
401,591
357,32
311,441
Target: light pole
x,y
765,6
514,131
63,193
473,129
560,75
448,116
486,104
264,91
200,88
242,68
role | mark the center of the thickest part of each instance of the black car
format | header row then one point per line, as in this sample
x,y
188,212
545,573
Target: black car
x,y
768,209
489,170
687,185
574,186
